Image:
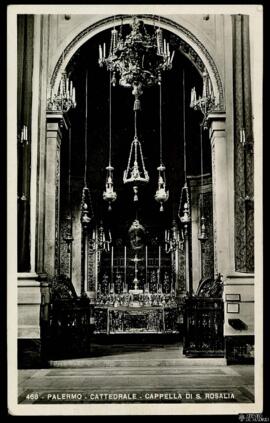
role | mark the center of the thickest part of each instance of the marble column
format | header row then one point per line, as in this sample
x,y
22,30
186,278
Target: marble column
x,y
55,127
220,184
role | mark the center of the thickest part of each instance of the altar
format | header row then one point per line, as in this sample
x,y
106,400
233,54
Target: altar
x,y
136,289
131,320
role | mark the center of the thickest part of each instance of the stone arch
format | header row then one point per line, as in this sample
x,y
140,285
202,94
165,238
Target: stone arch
x,y
196,51
189,45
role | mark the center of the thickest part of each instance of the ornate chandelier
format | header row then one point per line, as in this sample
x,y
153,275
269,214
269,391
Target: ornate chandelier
x,y
138,59
64,98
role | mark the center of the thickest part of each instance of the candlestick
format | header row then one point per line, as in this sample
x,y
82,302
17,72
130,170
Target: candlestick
x,y
74,95
125,266
112,265
61,87
159,264
210,90
100,52
85,263
146,263
168,50
172,56
104,50
158,44
204,94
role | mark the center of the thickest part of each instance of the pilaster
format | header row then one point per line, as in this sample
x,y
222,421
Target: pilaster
x,y
220,184
54,134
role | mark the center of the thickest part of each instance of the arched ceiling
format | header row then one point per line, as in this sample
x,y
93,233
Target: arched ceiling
x,y
185,41
123,131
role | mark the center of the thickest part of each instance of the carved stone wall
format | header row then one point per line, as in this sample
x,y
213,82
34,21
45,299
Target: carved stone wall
x,y
64,231
243,148
202,257
208,246
182,273
91,267
214,209
57,211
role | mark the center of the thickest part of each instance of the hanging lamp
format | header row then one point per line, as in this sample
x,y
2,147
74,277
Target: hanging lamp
x,y
161,195
202,235
85,202
184,205
109,194
135,173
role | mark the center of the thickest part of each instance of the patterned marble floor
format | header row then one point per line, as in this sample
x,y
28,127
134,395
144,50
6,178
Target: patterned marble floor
x,y
139,375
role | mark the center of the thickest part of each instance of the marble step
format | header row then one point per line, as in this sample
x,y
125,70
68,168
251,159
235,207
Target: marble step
x,y
110,362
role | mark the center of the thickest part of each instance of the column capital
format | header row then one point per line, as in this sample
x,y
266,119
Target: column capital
x,y
57,121
57,124
217,126
216,116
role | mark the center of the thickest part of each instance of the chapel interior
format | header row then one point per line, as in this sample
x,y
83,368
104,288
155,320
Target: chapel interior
x,y
124,210
137,225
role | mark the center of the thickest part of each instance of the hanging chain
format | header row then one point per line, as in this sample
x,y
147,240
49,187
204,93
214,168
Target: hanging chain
x,y
144,170
135,136
129,158
136,143
135,124
86,129
136,150
201,146
185,187
85,142
184,128
160,122
69,170
110,119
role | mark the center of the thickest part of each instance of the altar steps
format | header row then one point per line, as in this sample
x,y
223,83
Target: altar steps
x,y
145,358
93,363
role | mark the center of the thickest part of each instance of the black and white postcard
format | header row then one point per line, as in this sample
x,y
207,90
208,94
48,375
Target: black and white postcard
x,y
135,210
